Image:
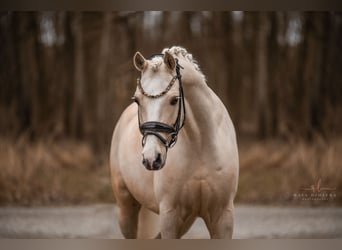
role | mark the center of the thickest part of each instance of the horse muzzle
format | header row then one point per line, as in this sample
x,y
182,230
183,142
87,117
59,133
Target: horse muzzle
x,y
153,163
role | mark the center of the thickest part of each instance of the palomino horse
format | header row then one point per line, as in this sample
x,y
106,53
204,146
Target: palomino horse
x,y
179,128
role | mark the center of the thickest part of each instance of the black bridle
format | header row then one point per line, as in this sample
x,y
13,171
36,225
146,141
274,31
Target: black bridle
x,y
156,128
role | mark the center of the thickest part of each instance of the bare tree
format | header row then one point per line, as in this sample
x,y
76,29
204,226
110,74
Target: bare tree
x,y
278,73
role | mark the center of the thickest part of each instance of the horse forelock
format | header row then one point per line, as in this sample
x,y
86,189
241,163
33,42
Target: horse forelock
x,y
155,63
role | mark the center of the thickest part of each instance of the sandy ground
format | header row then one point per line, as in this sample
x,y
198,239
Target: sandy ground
x,y
99,221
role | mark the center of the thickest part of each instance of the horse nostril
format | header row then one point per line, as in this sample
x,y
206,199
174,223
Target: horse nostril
x,y
158,161
146,163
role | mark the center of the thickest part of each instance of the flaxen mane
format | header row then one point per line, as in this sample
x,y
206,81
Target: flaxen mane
x,y
177,51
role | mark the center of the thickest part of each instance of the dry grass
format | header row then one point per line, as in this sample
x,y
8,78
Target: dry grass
x,y
68,172
273,171
51,173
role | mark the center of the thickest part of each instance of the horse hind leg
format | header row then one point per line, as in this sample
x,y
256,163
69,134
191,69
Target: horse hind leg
x,y
187,223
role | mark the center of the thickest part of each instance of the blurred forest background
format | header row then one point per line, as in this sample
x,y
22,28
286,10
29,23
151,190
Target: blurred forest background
x,y
66,77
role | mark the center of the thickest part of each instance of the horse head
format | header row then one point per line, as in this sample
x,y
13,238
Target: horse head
x,y
161,109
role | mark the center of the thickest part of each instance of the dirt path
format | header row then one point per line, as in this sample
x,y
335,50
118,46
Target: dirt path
x,y
99,221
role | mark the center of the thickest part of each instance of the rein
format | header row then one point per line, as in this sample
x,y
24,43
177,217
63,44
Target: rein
x,y
156,128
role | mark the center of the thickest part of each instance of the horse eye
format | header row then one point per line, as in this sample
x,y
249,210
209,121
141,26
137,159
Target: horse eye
x,y
135,99
174,100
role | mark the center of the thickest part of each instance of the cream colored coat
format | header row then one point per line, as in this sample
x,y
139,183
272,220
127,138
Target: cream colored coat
x,y
200,173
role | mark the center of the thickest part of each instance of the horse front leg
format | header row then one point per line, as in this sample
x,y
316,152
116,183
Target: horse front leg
x,y
128,220
221,226
128,211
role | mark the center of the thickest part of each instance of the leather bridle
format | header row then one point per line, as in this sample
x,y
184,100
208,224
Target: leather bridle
x,y
156,128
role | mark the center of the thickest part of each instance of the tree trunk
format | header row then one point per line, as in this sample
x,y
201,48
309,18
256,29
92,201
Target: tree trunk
x,y
262,77
101,77
78,122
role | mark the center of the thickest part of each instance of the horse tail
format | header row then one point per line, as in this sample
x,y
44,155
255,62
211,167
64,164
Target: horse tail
x,y
148,225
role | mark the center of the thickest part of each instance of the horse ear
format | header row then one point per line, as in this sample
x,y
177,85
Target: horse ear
x,y
169,60
139,61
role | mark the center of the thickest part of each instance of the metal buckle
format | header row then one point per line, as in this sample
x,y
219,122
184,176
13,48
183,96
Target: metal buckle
x,y
172,139
143,140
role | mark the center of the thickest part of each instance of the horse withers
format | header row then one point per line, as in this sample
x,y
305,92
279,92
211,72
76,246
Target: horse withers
x,y
174,154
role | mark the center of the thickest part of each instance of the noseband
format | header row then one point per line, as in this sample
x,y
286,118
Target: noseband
x,y
156,128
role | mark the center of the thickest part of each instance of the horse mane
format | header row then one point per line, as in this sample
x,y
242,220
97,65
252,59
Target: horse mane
x,y
182,52
179,52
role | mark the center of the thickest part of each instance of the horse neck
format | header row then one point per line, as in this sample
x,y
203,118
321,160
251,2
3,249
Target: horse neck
x,y
204,109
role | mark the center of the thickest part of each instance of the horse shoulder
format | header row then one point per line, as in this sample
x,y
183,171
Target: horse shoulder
x,y
127,119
